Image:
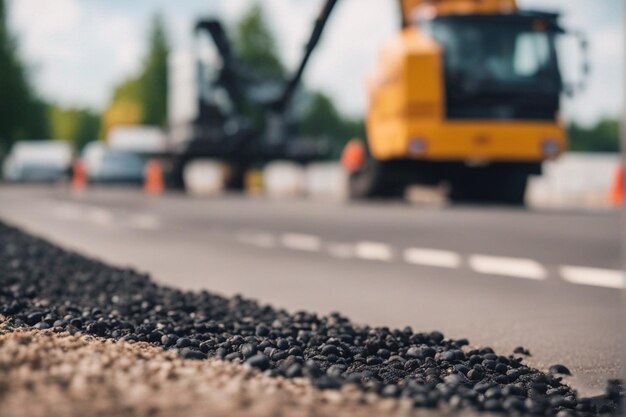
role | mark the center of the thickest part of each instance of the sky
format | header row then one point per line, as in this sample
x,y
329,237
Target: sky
x,y
79,49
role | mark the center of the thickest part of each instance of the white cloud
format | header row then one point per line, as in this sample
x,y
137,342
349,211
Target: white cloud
x,y
77,52
119,36
44,25
45,18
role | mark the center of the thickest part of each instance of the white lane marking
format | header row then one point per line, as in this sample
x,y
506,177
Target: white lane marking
x,y
297,241
512,267
68,211
373,251
596,277
144,221
484,264
261,240
432,257
341,250
100,216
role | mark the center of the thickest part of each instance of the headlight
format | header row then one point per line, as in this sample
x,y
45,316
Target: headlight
x,y
417,146
550,148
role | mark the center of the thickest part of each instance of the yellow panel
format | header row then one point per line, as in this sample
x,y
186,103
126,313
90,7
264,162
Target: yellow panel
x,y
407,84
481,140
121,113
410,8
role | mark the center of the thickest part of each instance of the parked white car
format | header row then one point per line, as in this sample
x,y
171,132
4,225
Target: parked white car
x,y
38,161
103,164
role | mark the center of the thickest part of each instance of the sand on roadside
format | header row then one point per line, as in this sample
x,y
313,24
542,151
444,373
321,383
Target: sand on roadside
x,y
43,373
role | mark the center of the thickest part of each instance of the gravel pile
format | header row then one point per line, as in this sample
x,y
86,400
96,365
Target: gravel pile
x,y
46,287
48,374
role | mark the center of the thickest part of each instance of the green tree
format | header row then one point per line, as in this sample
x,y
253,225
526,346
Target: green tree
x,y
87,129
322,119
22,113
148,88
128,90
255,46
602,137
153,81
78,126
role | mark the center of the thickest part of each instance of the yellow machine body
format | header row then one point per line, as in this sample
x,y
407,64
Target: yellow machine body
x,y
407,102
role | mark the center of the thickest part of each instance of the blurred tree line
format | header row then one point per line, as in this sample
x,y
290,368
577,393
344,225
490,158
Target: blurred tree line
x,y
601,137
25,115
22,112
147,89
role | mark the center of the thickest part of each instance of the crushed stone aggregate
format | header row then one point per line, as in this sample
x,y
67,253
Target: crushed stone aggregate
x,y
46,287
56,374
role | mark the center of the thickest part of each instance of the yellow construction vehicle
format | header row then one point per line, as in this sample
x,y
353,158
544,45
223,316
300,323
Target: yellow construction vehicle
x,y
467,94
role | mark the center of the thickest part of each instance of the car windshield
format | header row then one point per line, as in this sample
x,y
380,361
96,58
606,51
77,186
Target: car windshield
x,y
486,55
126,160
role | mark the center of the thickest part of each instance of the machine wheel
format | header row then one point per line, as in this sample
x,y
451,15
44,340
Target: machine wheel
x,y
490,185
174,173
376,179
236,180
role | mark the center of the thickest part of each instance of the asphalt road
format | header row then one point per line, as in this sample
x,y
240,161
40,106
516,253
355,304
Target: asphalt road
x,y
547,280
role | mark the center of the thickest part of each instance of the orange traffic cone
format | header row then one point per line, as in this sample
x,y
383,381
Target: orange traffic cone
x,y
153,183
353,155
79,176
617,191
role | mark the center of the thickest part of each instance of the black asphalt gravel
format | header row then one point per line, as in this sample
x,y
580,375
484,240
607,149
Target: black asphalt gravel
x,y
44,286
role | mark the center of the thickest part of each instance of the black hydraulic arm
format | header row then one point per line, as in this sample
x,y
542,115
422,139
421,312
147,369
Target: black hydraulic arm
x,y
220,39
230,77
294,81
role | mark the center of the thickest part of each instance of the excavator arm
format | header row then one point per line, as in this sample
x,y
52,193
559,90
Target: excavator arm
x,y
316,34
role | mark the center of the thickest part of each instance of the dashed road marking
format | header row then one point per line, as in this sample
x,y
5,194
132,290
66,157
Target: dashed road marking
x,y
373,251
596,277
341,250
377,251
512,267
68,211
298,241
144,221
432,257
261,240
79,212
100,216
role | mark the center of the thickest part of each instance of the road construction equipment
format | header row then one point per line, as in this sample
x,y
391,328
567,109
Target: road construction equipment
x,y
231,113
466,94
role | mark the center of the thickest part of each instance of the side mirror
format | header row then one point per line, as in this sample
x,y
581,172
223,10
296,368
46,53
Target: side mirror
x,y
576,87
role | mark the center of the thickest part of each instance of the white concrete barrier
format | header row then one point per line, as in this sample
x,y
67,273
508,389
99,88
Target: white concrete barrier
x,y
284,179
326,180
204,177
577,180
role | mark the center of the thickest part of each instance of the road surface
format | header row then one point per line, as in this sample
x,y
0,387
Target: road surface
x,y
547,280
